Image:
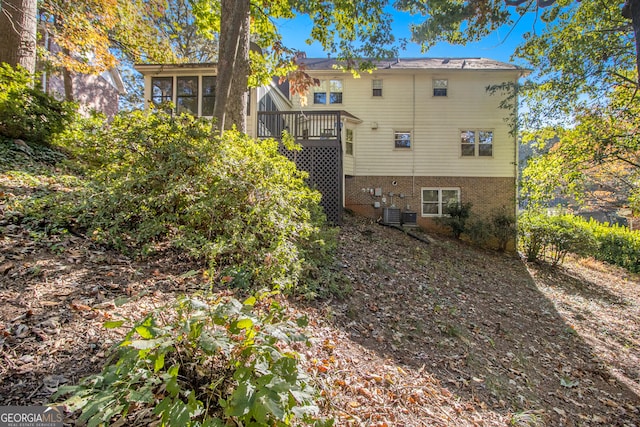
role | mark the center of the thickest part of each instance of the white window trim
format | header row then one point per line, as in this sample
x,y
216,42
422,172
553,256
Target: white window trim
x,y
440,205
433,88
381,88
353,146
476,143
325,87
410,132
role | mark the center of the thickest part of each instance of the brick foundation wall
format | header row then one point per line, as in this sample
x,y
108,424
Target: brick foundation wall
x,y
485,194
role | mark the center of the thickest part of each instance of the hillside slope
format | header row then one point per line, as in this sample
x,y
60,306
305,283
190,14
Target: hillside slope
x,y
438,334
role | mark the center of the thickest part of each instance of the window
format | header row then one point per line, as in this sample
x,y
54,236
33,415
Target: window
x,y
402,139
376,86
328,90
208,95
440,87
474,142
187,95
348,142
436,200
161,90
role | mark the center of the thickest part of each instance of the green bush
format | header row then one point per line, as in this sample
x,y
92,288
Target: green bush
x,y
503,228
28,113
616,245
206,362
552,237
456,217
231,200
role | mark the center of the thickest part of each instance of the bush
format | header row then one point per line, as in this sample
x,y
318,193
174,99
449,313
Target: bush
x,y
231,201
478,231
215,362
457,216
28,113
503,228
544,237
616,245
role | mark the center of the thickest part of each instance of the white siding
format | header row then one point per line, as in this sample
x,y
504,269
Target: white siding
x,y
407,104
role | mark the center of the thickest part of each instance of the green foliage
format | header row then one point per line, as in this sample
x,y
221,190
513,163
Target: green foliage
x,y
457,216
231,201
552,237
203,362
26,112
503,228
321,277
478,231
616,245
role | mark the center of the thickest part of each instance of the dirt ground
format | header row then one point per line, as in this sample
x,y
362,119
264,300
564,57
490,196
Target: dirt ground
x,y
438,334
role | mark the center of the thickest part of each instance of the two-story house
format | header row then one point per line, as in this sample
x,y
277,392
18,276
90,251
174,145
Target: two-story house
x,y
414,134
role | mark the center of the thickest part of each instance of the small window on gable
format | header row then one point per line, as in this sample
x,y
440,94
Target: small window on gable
x,y
440,87
376,86
402,139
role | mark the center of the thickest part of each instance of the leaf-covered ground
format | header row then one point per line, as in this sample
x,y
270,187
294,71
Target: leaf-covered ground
x,y
437,334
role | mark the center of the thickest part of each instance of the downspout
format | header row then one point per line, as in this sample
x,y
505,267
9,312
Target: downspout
x,y
413,154
516,158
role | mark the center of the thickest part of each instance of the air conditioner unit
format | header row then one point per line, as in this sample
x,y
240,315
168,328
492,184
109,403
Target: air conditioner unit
x,y
391,216
409,219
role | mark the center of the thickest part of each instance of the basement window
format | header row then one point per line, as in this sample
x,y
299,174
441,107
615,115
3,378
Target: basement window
x,y
436,200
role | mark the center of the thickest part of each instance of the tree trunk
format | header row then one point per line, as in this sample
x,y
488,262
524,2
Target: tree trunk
x,y
67,79
18,26
233,65
631,10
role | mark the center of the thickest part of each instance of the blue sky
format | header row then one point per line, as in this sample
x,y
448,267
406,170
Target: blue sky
x,y
499,45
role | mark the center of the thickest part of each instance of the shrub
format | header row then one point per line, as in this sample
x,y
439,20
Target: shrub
x,y
479,232
231,201
503,228
544,237
214,362
28,113
457,216
616,245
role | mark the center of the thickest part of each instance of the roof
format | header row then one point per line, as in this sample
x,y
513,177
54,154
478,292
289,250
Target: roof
x,y
420,64
319,64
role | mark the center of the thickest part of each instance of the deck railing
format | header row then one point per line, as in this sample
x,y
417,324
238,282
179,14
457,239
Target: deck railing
x,y
301,125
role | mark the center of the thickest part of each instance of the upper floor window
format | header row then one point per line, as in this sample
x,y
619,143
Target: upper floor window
x,y
328,92
440,87
475,142
402,139
208,95
161,90
376,86
187,95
